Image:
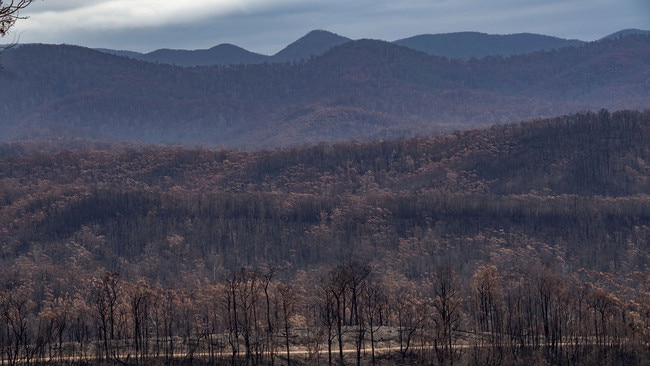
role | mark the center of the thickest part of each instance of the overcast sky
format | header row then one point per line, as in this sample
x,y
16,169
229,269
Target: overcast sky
x,y
267,26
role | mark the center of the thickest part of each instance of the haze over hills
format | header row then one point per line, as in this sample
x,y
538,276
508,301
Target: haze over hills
x,y
222,54
314,43
627,32
363,90
517,243
473,44
453,45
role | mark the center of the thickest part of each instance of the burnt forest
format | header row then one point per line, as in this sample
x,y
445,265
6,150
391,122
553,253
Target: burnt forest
x,y
372,204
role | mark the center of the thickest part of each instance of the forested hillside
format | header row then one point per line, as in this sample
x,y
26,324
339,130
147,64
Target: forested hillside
x,y
514,244
315,43
468,45
364,90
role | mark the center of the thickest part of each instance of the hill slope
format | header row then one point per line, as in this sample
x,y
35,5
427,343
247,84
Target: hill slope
x,y
543,182
315,43
467,45
548,214
452,45
223,54
627,32
360,90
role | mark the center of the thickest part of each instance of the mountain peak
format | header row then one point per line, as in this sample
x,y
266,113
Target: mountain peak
x,y
226,46
222,54
474,44
313,43
627,32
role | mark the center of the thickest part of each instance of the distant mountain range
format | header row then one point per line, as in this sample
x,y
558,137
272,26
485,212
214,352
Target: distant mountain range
x,y
312,44
356,90
627,32
464,45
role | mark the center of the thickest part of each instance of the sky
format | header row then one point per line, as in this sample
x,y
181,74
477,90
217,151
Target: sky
x,y
267,26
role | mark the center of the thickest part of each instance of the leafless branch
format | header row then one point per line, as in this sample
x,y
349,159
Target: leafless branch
x,y
9,13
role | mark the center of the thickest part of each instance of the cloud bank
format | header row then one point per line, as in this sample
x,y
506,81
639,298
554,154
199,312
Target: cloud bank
x,y
266,26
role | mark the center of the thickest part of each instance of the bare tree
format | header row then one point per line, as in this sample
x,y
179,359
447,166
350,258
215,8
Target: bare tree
x,y
488,312
139,296
10,13
447,305
244,297
105,296
16,307
375,301
337,286
54,317
327,313
267,275
287,309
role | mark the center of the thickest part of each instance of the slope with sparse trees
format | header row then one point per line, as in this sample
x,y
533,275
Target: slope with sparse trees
x,y
506,245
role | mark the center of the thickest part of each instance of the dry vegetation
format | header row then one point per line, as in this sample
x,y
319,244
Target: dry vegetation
x,y
511,245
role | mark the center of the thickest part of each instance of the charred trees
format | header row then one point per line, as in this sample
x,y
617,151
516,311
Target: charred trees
x,y
105,299
447,307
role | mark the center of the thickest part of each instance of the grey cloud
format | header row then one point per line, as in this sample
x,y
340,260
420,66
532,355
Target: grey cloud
x,y
266,29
